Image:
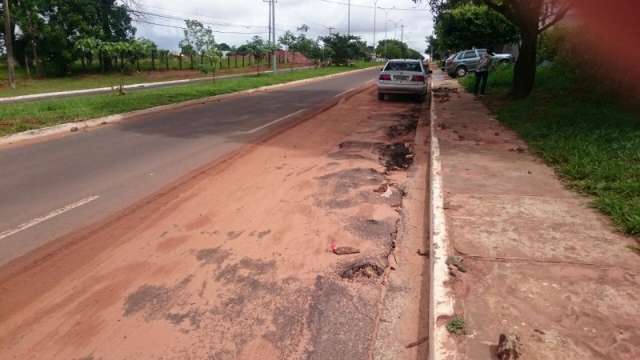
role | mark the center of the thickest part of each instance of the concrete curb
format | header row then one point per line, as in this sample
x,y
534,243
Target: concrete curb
x,y
132,87
441,307
86,124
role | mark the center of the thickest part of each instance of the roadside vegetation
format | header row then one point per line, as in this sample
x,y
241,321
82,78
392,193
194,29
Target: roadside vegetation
x,y
590,136
33,115
30,85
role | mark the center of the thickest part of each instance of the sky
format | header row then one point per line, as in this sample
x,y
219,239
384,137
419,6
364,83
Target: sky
x,y
236,21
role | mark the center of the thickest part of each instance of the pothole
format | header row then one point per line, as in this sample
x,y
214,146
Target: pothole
x,y
362,271
397,156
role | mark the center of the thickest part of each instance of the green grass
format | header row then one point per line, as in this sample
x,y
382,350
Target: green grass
x,y
590,136
32,115
28,86
456,325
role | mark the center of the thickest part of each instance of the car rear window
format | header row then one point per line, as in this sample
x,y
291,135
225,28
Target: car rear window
x,y
403,66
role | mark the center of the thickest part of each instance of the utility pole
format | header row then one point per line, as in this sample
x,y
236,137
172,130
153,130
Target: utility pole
x,y
274,55
402,33
331,28
272,33
349,18
8,43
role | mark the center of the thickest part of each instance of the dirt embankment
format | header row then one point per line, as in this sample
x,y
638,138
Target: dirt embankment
x,y
239,262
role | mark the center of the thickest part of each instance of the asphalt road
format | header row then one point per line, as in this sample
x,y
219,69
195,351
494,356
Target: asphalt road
x,y
50,188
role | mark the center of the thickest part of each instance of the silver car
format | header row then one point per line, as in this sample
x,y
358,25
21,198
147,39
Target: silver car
x,y
403,76
459,64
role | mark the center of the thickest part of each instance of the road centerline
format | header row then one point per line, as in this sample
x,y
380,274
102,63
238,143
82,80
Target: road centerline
x,y
272,122
51,215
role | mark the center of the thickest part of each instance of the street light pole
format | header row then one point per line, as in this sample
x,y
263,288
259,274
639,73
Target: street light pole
x,y
375,8
349,18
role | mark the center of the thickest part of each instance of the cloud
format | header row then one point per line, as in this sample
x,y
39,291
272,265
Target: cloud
x,y
237,21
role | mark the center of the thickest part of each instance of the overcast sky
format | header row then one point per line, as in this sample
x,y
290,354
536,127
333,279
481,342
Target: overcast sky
x,y
236,21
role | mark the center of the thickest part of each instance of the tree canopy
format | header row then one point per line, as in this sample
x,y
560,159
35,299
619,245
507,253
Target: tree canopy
x,y
343,48
396,49
470,25
48,29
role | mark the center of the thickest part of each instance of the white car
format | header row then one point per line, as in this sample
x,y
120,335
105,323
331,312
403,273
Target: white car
x,y
403,76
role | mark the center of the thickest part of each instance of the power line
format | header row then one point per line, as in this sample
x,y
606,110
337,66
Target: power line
x,y
372,7
184,28
216,21
172,17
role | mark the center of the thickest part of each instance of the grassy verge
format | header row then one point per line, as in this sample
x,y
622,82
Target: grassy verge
x,y
28,86
586,133
32,115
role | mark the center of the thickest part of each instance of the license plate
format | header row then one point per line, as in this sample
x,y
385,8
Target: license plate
x,y
400,77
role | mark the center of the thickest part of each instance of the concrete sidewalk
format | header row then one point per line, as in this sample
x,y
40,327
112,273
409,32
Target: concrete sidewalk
x,y
538,262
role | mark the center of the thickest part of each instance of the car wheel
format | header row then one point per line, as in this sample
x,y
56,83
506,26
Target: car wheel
x,y
380,96
419,98
461,71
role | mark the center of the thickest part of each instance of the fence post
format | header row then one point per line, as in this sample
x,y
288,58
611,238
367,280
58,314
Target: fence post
x,y
191,56
167,60
180,61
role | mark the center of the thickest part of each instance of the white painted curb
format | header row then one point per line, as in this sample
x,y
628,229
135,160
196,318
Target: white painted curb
x,y
141,86
86,124
441,301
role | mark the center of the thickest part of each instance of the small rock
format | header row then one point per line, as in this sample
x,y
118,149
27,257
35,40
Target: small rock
x,y
74,129
456,261
508,347
345,250
381,189
422,252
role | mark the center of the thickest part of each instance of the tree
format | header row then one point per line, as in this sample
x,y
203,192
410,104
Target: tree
x,y
392,49
288,40
50,28
469,25
530,17
258,48
224,47
343,48
197,38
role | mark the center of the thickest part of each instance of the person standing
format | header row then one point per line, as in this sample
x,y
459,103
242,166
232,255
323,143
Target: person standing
x,y
482,73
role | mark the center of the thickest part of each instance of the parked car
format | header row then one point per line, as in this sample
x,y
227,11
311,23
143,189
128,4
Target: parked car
x,y
448,60
403,76
467,61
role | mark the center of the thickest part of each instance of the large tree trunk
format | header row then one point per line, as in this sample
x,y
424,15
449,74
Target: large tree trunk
x,y
524,72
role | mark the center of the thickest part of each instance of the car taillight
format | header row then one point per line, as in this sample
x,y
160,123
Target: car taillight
x,y
385,77
417,78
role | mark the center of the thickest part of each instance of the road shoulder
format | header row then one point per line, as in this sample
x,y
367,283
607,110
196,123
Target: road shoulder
x,y
251,258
